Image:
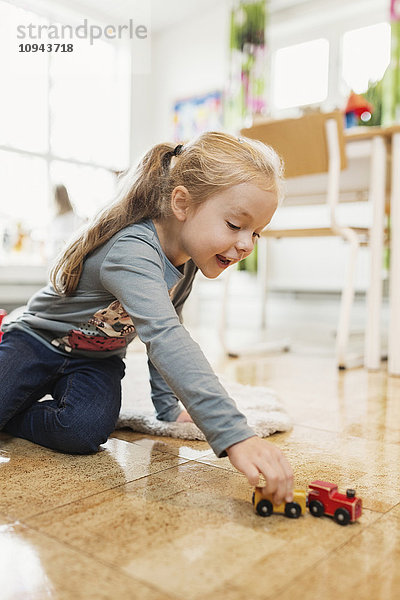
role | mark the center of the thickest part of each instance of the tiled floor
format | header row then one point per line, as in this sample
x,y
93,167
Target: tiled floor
x,y
156,518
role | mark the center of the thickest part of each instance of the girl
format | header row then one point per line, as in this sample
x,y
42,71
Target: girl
x,y
64,224
198,206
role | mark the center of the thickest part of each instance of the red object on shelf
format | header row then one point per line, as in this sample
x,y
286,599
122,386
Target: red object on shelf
x,y
358,105
2,315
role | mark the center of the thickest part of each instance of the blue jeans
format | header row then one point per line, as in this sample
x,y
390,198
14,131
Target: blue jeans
x,y
86,395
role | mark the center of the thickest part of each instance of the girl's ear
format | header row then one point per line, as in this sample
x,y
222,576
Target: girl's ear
x,y
180,202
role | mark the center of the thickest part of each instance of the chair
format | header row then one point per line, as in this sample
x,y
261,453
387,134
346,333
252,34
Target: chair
x,y
309,145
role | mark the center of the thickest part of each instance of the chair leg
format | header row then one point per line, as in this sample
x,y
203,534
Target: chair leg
x,y
223,321
343,331
262,274
254,349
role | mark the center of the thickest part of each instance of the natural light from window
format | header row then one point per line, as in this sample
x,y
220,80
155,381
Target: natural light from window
x,y
64,118
300,74
24,97
365,56
87,97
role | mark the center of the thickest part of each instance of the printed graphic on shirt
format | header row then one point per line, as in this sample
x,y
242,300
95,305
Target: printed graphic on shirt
x,y
114,321
107,330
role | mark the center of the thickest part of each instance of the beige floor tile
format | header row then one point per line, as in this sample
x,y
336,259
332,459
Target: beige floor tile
x,y
190,449
33,566
366,567
192,531
4,520
37,479
220,463
154,518
307,542
356,402
379,418
372,467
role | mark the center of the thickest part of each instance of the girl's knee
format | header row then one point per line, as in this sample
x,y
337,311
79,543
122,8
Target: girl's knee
x,y
85,442
76,445
81,434
71,438
62,429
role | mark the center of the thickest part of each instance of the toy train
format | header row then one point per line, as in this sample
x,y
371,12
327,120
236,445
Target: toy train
x,y
323,499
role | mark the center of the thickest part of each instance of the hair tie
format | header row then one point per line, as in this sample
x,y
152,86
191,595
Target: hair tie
x,y
166,161
178,149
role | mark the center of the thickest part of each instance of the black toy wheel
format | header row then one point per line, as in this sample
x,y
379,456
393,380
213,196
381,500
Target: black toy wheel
x,y
292,510
264,508
316,508
342,516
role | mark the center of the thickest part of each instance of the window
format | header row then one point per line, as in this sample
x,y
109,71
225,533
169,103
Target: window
x,y
24,97
88,95
365,55
64,118
300,74
23,188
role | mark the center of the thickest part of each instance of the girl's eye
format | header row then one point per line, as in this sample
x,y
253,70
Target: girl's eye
x,y
232,226
236,228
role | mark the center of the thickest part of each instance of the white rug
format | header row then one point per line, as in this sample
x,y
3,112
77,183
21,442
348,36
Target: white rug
x,y
264,411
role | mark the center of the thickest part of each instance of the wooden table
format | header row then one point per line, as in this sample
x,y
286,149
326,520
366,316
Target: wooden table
x,y
376,138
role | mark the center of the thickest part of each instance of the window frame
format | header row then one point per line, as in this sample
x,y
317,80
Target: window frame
x,y
307,22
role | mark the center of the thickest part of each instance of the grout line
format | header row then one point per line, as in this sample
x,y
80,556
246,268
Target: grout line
x,y
82,498
136,442
25,520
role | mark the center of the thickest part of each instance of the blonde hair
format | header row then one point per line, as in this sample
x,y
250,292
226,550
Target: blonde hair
x,y
212,162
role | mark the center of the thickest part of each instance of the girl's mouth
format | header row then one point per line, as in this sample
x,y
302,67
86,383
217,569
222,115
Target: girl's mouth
x,y
223,262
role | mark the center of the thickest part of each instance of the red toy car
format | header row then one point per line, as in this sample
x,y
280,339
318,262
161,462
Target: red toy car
x,y
324,499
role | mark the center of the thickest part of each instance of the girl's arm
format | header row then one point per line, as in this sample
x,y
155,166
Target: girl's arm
x,y
134,272
165,402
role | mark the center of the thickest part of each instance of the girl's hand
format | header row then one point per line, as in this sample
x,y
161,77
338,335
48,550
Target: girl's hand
x,y
256,456
184,417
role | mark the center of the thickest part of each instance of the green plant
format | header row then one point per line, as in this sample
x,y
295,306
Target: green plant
x,y
374,96
248,24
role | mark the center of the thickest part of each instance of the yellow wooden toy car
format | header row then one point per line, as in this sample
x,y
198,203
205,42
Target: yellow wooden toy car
x,y
264,506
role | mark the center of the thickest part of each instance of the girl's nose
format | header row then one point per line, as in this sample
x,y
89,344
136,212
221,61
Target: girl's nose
x,y
244,245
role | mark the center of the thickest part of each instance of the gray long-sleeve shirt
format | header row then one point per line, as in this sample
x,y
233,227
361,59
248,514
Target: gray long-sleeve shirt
x,y
128,287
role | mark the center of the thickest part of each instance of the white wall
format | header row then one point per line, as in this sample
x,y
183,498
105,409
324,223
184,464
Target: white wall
x,y
191,57
188,58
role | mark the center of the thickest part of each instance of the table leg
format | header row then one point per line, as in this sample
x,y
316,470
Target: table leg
x,y
374,295
394,293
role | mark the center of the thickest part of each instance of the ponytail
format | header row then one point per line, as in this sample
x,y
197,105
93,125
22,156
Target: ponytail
x,y
143,199
212,162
